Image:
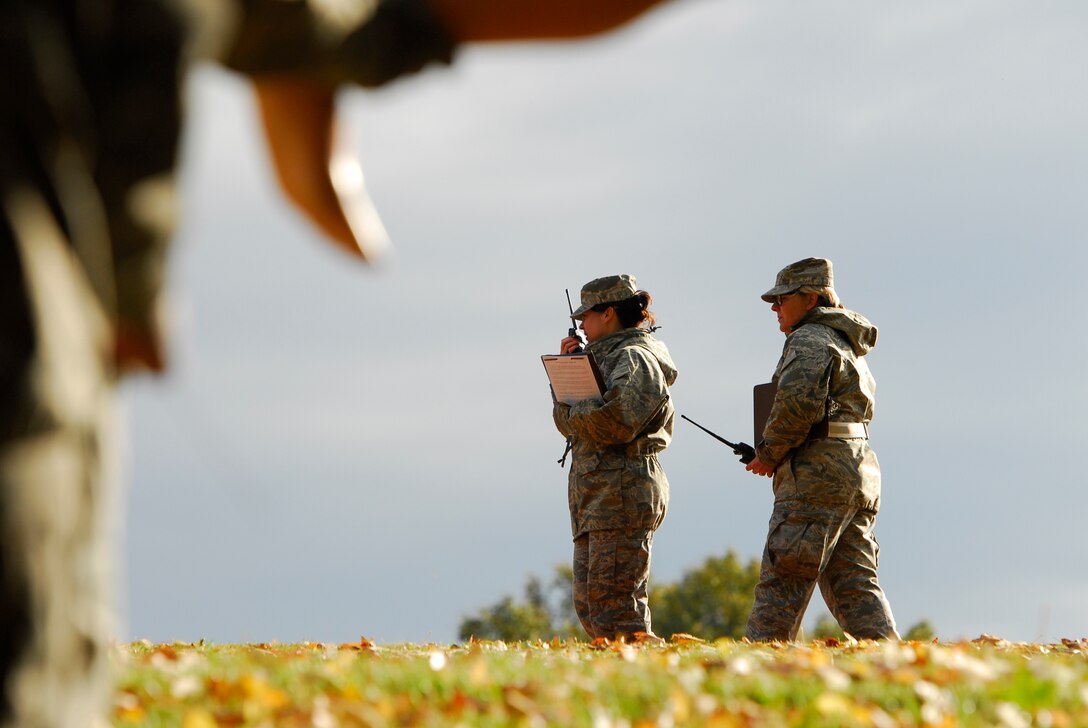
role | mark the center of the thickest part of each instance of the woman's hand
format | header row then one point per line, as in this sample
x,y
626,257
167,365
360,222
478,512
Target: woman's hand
x,y
570,345
759,467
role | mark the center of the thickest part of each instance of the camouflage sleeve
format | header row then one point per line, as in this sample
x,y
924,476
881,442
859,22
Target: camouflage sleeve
x,y
561,417
89,123
637,391
801,402
368,44
137,130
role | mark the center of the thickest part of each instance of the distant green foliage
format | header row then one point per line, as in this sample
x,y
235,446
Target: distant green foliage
x,y
825,627
711,601
920,632
546,612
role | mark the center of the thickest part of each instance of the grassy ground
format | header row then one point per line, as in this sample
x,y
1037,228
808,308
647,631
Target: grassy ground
x,y
685,682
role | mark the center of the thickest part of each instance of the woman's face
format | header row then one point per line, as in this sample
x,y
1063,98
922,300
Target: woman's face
x,y
596,324
792,307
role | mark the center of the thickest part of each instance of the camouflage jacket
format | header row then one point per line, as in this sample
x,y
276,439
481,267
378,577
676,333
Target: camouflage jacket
x,y
615,479
822,375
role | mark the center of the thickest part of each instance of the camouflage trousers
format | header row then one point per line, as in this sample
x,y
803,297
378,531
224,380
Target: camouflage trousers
x,y
829,545
611,579
55,406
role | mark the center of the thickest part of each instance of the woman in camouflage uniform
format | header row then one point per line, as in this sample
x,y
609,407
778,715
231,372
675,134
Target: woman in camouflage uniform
x,y
617,490
826,477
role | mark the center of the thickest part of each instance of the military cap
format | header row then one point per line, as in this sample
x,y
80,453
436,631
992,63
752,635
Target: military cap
x,y
610,289
815,272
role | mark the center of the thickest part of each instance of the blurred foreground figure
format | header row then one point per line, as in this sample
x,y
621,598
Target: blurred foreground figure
x,y
90,116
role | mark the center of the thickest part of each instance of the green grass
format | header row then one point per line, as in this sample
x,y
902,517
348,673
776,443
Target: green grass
x,y
686,682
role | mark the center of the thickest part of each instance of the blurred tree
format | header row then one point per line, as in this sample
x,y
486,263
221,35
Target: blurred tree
x,y
920,632
825,626
547,611
711,601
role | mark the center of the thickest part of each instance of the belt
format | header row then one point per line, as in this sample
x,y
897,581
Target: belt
x,y
839,430
641,450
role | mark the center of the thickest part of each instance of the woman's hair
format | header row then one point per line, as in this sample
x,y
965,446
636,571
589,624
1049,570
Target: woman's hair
x,y
828,297
634,311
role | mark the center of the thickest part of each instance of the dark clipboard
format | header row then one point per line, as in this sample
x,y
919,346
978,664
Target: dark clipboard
x,y
762,400
574,377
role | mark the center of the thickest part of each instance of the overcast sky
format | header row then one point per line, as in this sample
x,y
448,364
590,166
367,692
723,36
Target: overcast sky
x,y
341,452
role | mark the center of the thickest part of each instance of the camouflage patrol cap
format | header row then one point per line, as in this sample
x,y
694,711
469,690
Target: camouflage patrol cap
x,y
815,272
610,289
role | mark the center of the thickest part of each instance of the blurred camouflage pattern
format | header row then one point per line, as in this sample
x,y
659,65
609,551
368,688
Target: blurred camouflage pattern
x,y
611,582
616,483
827,490
87,146
331,42
90,117
56,493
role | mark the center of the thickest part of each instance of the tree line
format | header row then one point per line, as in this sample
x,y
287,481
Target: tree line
x,y
710,601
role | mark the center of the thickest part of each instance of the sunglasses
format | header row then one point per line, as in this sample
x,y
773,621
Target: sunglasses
x,y
777,300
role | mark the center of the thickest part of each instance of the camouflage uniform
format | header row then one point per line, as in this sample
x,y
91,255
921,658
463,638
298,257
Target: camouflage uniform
x,y
826,487
617,491
89,125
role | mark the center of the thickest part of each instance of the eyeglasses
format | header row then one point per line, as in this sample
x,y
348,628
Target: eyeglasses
x,y
777,300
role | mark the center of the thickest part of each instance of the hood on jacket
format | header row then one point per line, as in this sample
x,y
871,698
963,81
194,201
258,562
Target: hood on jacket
x,y
643,339
855,328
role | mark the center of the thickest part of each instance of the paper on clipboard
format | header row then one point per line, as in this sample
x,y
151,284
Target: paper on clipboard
x,y
574,377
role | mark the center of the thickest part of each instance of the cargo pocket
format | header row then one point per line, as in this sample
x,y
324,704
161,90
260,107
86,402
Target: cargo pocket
x,y
784,483
796,545
601,493
644,496
585,463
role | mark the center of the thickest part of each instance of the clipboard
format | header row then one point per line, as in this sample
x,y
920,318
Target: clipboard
x,y
574,377
762,400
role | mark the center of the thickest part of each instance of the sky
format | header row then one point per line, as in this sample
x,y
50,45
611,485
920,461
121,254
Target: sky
x,y
341,451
